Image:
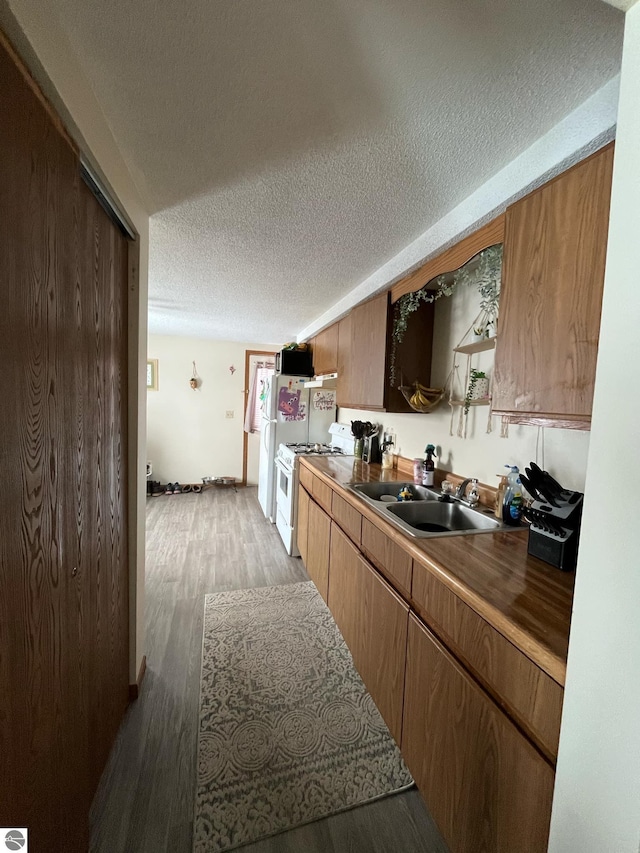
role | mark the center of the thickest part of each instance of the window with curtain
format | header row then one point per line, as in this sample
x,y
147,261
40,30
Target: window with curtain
x,y
261,371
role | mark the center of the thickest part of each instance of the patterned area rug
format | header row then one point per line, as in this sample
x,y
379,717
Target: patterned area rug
x,y
287,733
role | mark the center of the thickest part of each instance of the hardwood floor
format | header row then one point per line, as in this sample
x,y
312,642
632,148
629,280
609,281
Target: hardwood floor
x,y
197,544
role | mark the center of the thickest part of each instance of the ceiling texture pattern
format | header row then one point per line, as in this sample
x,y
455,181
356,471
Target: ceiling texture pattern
x,y
287,150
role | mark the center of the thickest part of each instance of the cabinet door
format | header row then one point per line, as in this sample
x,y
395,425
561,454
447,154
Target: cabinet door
x,y
365,348
486,786
318,548
373,622
394,562
551,296
344,362
302,528
347,517
325,351
368,353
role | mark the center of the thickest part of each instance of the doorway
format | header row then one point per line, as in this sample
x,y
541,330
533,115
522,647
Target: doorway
x,y
255,360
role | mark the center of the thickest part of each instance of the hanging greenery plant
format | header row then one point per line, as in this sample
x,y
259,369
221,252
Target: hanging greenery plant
x,y
483,272
474,376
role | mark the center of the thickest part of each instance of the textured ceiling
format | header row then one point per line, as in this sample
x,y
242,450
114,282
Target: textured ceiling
x,y
289,149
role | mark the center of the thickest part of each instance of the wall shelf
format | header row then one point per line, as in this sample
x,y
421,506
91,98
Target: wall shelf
x,y
486,401
480,346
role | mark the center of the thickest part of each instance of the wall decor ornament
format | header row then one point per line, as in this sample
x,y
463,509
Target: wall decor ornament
x,y
152,374
232,370
194,382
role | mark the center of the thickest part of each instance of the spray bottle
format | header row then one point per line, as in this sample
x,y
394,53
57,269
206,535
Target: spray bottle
x,y
428,472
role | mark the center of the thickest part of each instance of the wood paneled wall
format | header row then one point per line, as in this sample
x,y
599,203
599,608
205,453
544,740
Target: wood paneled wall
x,y
63,502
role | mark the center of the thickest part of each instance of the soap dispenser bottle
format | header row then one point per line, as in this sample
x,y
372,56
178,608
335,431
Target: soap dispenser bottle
x,y
502,488
512,502
429,469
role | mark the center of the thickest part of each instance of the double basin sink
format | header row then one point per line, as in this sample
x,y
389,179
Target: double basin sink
x,y
426,514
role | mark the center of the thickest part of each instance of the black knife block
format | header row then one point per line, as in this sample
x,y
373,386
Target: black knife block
x,y
555,530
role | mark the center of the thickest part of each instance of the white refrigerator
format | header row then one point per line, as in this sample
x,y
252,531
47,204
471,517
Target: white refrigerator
x,y
291,414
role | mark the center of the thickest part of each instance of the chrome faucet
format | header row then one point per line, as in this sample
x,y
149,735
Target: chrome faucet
x,y
473,498
461,488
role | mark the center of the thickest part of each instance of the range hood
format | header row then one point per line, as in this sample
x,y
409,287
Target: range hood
x,y
325,380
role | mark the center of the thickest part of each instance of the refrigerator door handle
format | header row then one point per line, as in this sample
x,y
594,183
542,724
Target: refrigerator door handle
x,y
265,432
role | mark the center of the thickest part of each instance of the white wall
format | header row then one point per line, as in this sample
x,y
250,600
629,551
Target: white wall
x,y
479,455
188,433
597,798
45,50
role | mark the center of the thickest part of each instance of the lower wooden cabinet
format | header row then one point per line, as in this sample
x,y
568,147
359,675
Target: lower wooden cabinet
x,y
347,517
394,563
302,527
373,620
319,536
486,786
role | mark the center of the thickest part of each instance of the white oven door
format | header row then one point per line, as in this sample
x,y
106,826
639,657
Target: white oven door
x,y
285,492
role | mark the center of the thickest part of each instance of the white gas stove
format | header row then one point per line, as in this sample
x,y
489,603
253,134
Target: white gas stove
x,y
288,452
287,478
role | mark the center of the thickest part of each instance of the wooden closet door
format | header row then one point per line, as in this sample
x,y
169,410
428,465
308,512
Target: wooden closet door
x,y
40,687
63,562
101,515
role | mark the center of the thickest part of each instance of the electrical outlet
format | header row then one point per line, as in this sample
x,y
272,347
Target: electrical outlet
x,y
229,413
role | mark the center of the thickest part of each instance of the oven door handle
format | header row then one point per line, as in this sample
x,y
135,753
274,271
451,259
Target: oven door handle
x,y
284,468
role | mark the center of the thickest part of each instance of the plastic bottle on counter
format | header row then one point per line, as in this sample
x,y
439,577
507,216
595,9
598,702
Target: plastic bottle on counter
x,y
502,488
429,470
512,502
388,444
418,470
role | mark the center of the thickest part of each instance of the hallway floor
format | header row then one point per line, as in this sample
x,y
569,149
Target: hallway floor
x,y
197,544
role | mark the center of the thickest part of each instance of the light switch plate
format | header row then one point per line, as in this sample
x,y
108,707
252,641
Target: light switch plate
x,y
229,413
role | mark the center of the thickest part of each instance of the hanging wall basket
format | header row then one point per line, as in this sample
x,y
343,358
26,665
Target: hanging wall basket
x,y
420,398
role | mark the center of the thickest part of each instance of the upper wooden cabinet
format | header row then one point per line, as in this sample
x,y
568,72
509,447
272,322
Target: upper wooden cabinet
x,y
344,357
551,296
365,352
325,351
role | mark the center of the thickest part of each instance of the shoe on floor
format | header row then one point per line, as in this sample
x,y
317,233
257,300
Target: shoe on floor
x,y
186,489
169,489
177,488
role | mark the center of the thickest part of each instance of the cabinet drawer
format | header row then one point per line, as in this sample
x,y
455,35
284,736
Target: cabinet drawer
x,y
529,695
389,558
306,478
488,789
347,517
322,493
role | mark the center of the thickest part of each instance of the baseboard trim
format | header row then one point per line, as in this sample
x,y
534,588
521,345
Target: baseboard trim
x,y
134,689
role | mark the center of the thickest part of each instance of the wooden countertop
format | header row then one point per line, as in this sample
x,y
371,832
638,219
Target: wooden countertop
x,y
528,601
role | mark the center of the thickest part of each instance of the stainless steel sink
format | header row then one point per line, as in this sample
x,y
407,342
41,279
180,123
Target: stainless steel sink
x,y
388,492
426,515
435,518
